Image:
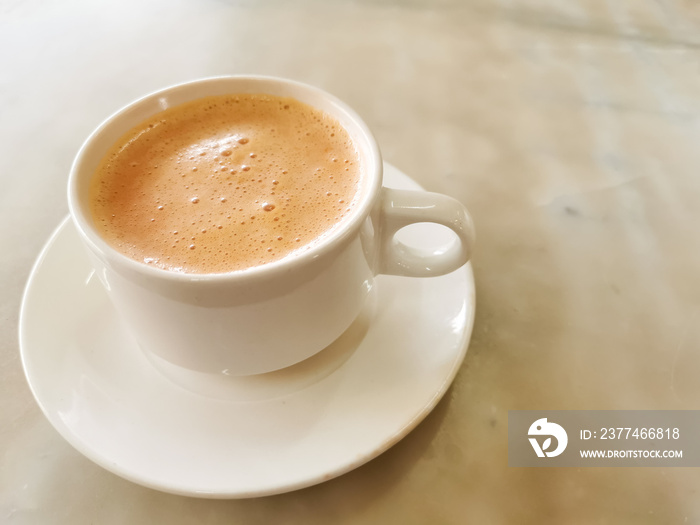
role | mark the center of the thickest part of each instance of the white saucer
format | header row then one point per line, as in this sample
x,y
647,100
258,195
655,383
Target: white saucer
x,y
239,437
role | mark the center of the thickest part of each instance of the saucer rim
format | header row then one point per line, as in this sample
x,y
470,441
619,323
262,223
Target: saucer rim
x,y
179,488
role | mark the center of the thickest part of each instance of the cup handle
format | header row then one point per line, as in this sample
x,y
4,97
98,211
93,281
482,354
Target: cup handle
x,y
400,208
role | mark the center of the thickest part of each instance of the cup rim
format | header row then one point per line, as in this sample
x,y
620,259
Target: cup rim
x,y
326,245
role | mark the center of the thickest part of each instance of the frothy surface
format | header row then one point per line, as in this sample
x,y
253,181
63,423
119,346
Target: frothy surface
x,y
225,183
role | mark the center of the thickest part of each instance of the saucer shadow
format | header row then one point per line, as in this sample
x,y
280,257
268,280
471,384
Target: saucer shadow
x,y
369,480
263,387
367,484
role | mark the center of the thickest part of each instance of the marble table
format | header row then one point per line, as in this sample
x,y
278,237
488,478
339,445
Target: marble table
x,y
569,129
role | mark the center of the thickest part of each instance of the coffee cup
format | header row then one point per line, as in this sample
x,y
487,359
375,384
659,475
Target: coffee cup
x,y
263,317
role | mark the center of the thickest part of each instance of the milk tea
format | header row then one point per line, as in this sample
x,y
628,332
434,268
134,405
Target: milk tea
x,y
226,183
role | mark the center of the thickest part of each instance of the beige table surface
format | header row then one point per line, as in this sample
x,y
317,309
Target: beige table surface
x,y
571,129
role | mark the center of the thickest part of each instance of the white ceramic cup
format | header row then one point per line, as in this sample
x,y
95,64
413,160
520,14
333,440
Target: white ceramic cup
x,y
271,316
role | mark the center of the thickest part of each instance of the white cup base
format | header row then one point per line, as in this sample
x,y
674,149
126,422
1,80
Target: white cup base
x,y
274,384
